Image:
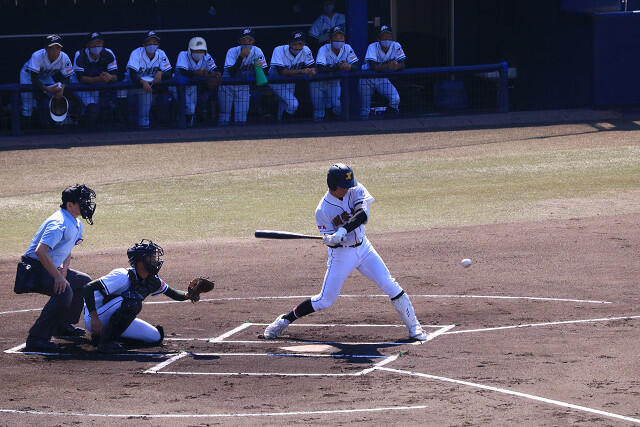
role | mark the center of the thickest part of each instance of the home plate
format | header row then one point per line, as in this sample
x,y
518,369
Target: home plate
x,y
311,348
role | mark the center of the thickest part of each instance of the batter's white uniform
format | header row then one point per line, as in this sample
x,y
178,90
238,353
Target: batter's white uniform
x,y
383,86
326,93
237,96
39,63
355,252
146,68
115,284
282,57
185,62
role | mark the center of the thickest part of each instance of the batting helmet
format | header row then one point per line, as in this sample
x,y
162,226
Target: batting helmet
x,y
82,195
197,43
340,175
58,109
149,253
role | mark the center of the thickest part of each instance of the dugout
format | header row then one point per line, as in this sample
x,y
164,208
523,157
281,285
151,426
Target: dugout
x,y
567,53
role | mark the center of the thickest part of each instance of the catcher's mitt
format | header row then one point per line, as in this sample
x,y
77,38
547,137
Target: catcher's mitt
x,y
198,286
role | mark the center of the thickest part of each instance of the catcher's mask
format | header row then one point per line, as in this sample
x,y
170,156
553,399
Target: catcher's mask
x,y
340,175
58,109
149,253
82,195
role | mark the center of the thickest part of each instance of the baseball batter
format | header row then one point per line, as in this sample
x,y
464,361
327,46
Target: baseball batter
x,y
384,55
112,302
288,60
341,216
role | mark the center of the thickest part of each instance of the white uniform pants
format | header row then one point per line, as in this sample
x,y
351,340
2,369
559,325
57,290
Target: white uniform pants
x,y
137,330
342,261
28,103
236,97
190,98
382,86
288,101
325,94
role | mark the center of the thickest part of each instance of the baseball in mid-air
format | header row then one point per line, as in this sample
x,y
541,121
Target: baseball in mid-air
x,y
465,262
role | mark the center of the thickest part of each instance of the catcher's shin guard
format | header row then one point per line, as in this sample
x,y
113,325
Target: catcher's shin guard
x,y
403,306
121,319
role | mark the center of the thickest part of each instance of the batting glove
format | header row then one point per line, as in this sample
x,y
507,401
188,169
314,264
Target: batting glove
x,y
335,238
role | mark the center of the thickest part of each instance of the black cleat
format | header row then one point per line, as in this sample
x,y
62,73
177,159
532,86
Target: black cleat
x,y
110,347
41,345
70,331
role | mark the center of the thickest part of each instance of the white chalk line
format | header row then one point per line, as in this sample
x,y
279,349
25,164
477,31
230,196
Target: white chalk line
x,y
378,365
514,393
529,325
348,325
169,361
19,350
155,369
231,332
355,296
305,342
240,415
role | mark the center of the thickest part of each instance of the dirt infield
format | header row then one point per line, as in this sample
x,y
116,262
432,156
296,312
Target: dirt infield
x,y
218,372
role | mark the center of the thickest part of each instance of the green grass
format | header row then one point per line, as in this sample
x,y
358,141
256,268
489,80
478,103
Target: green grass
x,y
416,191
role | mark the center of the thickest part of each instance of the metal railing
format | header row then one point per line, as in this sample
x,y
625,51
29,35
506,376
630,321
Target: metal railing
x,y
338,96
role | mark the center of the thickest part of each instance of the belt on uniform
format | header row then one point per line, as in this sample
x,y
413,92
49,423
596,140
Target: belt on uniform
x,y
341,246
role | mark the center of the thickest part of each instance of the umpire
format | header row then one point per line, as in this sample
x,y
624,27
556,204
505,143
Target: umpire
x,y
44,269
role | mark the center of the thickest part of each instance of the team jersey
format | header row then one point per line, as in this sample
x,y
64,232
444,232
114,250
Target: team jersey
x,y
322,26
116,283
328,58
140,63
39,63
84,64
60,232
376,54
186,62
282,57
247,63
332,212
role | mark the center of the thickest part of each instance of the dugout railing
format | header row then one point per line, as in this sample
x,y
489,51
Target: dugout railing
x,y
421,92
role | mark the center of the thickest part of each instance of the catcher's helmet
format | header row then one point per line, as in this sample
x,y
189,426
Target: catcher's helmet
x,y
197,43
149,253
58,109
340,175
82,195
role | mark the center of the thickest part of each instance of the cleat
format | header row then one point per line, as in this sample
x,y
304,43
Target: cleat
x,y
70,331
418,334
41,345
276,328
110,347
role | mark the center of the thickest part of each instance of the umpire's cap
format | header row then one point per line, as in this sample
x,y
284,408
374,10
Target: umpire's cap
x,y
58,108
340,175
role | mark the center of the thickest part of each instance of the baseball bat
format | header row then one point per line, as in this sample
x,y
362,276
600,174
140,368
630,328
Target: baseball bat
x,y
274,234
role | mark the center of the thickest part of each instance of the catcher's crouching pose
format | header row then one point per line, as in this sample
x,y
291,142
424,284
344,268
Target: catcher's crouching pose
x,y
112,302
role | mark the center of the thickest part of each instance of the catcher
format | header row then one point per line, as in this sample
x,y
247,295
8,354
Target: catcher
x,y
112,302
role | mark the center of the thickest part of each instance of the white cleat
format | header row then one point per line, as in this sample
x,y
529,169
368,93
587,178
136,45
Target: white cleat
x,y
418,334
276,328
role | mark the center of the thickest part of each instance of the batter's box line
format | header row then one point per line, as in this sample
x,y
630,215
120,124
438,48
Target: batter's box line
x,y
19,349
386,359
